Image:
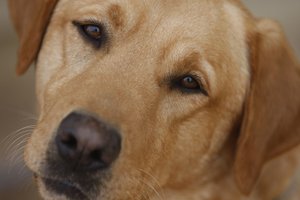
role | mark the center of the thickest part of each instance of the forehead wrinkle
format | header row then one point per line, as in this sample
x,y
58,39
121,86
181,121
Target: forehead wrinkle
x,y
178,48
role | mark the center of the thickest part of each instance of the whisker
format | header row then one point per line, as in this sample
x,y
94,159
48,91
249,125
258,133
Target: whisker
x,y
21,140
12,145
151,176
149,185
13,135
17,153
138,194
153,189
16,133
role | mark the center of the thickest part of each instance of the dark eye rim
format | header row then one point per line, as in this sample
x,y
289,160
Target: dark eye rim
x,y
96,42
176,83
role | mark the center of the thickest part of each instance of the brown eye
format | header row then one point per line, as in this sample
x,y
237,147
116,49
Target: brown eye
x,y
190,83
92,31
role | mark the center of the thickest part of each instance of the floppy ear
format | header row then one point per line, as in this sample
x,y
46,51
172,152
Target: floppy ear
x,y
271,123
30,18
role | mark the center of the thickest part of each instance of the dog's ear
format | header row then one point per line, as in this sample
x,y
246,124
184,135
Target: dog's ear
x,y
271,123
30,19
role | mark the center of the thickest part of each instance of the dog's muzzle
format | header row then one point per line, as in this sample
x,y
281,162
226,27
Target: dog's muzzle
x,y
86,143
81,155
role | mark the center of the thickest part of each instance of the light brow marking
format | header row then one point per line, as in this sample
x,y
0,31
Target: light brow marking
x,y
116,16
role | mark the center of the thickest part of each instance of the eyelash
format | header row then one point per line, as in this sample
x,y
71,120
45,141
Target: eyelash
x,y
81,27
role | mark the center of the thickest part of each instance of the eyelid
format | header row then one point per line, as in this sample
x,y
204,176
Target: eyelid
x,y
172,81
87,22
97,43
200,80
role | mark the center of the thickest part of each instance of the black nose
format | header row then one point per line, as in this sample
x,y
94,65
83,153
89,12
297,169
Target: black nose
x,y
86,143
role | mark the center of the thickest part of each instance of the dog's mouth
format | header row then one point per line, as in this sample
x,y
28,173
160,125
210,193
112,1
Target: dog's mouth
x,y
66,188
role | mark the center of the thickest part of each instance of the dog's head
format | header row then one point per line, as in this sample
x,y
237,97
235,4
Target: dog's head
x,y
139,97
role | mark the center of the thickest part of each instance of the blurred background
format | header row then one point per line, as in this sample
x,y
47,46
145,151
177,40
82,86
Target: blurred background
x,y
17,98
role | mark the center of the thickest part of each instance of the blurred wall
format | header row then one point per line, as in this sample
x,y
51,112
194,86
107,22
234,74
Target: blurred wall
x,y
17,94
287,12
16,111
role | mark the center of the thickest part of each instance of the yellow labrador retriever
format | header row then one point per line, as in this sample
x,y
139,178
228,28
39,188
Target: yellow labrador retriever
x,y
160,100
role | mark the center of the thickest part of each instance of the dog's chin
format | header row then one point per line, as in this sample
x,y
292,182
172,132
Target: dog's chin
x,y
52,189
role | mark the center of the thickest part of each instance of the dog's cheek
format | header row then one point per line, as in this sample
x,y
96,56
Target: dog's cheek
x,y
190,151
40,142
35,151
199,148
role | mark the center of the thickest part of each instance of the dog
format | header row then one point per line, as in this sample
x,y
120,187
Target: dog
x,y
152,100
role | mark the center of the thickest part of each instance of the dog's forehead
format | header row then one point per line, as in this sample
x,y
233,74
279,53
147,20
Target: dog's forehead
x,y
202,20
184,13
214,29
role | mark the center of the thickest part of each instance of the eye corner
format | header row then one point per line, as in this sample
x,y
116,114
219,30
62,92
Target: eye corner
x,y
76,23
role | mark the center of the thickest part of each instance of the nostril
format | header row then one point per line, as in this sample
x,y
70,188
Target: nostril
x,y
96,155
97,161
68,140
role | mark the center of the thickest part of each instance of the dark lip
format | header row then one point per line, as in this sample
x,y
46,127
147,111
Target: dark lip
x,y
66,188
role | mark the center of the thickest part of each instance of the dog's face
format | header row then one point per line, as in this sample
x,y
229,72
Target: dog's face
x,y
164,74
138,97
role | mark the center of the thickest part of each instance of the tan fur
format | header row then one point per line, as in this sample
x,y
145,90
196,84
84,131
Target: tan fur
x,y
175,146
116,16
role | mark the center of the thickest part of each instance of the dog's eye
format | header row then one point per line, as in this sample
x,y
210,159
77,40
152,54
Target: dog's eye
x,y
93,32
189,84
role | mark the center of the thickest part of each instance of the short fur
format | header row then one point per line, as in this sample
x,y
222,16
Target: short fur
x,y
175,146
